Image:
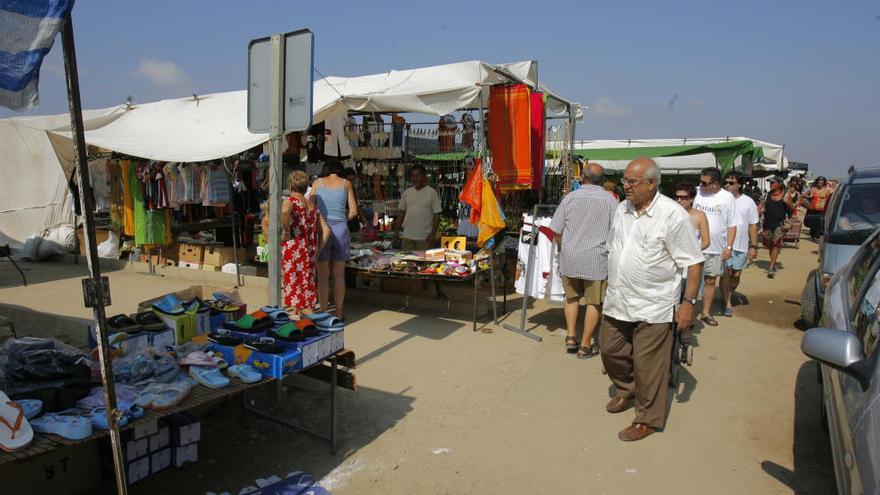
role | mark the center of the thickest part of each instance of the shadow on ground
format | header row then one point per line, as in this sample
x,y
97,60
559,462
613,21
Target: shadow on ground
x,y
42,272
813,471
228,431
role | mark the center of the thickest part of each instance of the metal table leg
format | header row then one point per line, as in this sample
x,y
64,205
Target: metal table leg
x,y
335,365
475,300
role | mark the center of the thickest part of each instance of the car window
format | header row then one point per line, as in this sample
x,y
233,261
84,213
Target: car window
x,y
862,266
857,209
866,322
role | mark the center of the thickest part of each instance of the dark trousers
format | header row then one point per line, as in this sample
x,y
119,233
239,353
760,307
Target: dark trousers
x,y
636,357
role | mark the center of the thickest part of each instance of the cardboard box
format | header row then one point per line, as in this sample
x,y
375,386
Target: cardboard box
x,y
160,460
144,428
161,439
191,253
137,470
203,292
366,282
189,264
183,326
100,236
65,470
337,341
219,256
136,449
202,323
456,243
210,268
185,454
242,269
435,254
269,365
125,343
185,429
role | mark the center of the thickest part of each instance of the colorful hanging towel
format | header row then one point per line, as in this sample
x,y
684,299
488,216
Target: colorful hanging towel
x,y
510,136
491,218
537,139
472,193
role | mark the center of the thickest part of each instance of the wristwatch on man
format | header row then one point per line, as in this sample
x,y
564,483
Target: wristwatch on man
x,y
692,300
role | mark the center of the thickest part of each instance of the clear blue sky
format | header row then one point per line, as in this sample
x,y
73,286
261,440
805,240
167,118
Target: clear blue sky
x,y
801,73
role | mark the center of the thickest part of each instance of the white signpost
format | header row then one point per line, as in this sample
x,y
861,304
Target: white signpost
x,y
280,82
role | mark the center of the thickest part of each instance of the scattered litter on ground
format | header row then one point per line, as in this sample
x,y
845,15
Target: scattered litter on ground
x,y
338,476
632,470
441,451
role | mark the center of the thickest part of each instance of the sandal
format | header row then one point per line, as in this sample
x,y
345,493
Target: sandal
x,y
586,352
709,320
15,431
571,344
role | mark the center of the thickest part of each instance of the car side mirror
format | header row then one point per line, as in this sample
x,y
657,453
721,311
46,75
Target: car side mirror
x,y
839,350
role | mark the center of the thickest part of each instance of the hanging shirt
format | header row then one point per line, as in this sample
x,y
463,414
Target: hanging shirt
x,y
336,141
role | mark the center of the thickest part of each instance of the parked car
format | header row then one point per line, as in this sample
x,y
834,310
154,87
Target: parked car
x,y
851,217
846,348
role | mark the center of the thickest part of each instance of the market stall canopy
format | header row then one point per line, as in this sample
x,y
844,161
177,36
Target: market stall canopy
x,y
34,195
684,155
212,126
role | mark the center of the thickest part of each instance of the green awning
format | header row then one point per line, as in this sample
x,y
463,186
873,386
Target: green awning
x,y
725,153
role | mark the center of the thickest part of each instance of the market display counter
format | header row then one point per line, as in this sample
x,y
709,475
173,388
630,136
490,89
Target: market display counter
x,y
438,280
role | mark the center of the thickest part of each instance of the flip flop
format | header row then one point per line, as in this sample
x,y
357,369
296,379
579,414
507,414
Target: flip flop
x,y
571,345
289,332
278,315
198,358
586,352
15,431
70,424
123,323
252,323
224,337
150,321
265,345
170,305
99,419
32,407
209,377
245,373
163,396
709,320
316,317
728,312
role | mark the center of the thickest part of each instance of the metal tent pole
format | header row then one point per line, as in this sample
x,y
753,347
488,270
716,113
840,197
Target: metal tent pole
x,y
96,288
521,329
276,180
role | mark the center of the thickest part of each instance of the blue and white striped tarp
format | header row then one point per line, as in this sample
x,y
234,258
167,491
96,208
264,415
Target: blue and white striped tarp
x,y
27,31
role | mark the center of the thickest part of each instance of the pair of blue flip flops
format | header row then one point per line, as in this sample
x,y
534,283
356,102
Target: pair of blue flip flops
x,y
70,424
326,322
278,315
171,305
130,410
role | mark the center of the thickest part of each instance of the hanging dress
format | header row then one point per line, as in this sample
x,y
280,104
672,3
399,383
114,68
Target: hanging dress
x,y
299,258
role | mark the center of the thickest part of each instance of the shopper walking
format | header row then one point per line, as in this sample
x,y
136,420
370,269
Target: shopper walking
x,y
718,205
745,246
816,202
795,195
685,192
581,224
419,213
776,208
304,234
650,242
334,197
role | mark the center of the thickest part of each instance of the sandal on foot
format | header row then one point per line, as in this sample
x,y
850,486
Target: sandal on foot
x,y
709,320
728,312
571,344
586,352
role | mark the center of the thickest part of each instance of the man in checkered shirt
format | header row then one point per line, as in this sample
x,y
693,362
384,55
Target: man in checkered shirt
x,y
581,224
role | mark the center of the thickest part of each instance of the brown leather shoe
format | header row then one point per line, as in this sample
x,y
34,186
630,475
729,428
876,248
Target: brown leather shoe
x,y
618,405
635,432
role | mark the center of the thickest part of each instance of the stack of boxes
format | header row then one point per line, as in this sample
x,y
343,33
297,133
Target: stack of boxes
x,y
190,256
152,446
215,257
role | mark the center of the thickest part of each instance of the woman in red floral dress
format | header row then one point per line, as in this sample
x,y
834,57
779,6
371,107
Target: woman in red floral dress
x,y
303,236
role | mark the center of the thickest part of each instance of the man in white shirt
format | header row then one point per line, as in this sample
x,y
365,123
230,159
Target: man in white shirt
x,y
719,207
745,246
419,213
650,242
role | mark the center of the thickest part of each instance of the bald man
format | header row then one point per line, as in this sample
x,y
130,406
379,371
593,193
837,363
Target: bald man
x,y
581,225
650,242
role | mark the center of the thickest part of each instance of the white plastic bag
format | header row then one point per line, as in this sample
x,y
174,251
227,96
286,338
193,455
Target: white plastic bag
x,y
31,248
57,241
110,247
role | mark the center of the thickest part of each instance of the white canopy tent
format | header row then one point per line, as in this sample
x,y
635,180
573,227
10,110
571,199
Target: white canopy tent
x,y
774,154
34,195
213,126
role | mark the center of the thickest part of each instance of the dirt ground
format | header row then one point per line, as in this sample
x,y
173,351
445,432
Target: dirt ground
x,y
444,410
